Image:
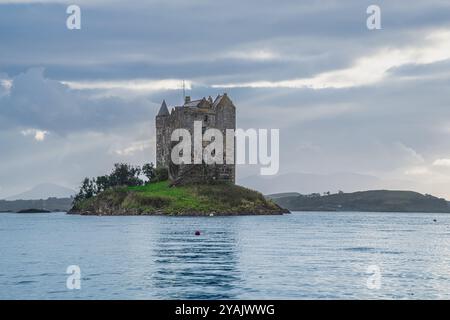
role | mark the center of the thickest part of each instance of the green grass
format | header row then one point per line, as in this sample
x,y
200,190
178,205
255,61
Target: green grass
x,y
178,198
162,198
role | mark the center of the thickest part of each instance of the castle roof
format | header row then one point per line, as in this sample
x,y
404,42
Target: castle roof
x,y
199,103
217,100
220,98
193,103
163,111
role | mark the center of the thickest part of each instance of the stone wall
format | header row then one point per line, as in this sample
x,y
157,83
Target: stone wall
x,y
220,114
162,141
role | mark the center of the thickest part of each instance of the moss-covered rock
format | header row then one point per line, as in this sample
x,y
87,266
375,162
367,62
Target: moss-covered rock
x,y
162,199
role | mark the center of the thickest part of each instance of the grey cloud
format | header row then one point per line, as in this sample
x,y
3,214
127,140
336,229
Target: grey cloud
x,y
165,39
434,70
378,129
37,102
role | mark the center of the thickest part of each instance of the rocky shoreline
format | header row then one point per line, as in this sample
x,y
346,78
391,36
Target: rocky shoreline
x,y
188,214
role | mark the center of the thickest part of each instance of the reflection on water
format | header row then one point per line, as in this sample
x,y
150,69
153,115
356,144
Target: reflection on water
x,y
200,267
309,255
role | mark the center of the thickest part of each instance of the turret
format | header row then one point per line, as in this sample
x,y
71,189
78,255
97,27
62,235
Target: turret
x,y
162,119
163,111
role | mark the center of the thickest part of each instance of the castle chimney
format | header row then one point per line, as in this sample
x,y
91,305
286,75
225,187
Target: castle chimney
x,y
187,99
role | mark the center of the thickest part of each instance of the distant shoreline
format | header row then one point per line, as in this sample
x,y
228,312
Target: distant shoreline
x,y
377,201
363,201
50,204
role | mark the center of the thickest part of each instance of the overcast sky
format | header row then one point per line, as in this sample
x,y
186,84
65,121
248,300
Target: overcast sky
x,y
345,98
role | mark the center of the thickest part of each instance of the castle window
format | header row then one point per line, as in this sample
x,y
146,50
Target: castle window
x,y
206,118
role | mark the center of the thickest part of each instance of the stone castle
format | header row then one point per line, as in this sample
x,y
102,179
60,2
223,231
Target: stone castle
x,y
219,113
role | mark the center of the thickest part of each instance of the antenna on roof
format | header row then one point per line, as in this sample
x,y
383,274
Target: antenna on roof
x,y
184,91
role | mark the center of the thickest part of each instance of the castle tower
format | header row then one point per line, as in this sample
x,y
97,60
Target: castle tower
x,y
162,146
219,114
225,119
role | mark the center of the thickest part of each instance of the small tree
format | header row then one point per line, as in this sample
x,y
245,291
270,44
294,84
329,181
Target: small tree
x,y
122,175
125,175
88,189
148,170
103,183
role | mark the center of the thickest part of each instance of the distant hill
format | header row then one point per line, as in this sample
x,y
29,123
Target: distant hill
x,y
44,191
371,201
306,183
51,204
282,195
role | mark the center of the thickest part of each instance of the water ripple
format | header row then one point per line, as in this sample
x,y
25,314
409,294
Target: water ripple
x,y
297,256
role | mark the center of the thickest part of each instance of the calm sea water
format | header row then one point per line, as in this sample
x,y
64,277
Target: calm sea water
x,y
296,256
